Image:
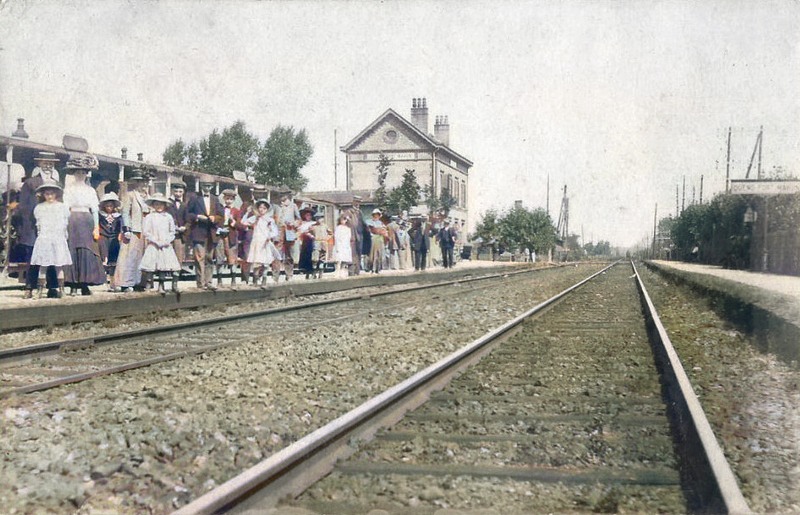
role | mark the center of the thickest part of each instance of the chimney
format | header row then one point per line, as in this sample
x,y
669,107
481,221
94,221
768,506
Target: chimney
x,y
124,152
20,132
140,156
419,114
441,130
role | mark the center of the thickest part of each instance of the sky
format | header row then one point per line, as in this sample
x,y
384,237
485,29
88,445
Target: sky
x,y
617,100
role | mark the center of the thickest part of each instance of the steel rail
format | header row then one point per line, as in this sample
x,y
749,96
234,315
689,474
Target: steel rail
x,y
709,470
44,349
294,468
56,347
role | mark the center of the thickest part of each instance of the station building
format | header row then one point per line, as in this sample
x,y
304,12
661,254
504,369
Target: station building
x,y
409,145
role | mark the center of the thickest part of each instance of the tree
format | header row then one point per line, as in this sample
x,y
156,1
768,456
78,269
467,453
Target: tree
x,y
282,157
175,153
431,199
521,228
382,170
488,228
232,149
405,196
446,201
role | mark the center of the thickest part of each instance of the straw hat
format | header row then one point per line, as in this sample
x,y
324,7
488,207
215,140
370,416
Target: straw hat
x,y
110,197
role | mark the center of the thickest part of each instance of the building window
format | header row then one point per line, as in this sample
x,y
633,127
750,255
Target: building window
x,y
464,194
390,136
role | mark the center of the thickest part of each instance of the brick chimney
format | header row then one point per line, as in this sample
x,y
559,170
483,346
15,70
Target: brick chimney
x,y
140,156
419,114
20,132
441,130
124,152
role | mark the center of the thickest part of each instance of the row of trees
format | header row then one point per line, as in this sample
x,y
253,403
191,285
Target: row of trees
x,y
277,161
729,230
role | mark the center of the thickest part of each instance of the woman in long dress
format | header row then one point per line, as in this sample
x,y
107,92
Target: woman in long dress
x,y
83,232
128,274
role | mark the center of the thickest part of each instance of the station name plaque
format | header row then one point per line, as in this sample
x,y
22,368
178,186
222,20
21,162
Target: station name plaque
x,y
745,187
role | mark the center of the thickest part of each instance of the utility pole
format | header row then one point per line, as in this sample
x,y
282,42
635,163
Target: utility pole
x,y
693,190
683,200
677,201
728,164
757,147
701,189
335,160
760,146
655,229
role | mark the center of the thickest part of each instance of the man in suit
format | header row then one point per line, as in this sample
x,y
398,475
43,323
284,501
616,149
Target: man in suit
x,y
177,208
447,242
420,243
204,213
355,220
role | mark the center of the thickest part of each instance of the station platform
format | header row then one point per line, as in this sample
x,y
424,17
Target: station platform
x,y
762,304
17,313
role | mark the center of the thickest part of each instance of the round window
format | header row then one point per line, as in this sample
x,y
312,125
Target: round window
x,y
390,136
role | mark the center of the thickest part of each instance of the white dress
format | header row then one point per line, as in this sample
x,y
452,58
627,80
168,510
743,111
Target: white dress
x,y
262,249
51,249
158,231
342,250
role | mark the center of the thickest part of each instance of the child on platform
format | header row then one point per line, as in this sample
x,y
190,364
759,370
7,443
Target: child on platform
x,y
51,248
110,228
158,231
263,252
342,248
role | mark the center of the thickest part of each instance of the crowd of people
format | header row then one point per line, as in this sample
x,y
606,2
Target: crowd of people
x,y
70,236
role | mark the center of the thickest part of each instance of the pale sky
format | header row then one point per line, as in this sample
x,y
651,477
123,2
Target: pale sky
x,y
617,100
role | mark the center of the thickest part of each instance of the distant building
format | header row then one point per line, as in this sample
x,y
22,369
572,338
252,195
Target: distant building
x,y
409,145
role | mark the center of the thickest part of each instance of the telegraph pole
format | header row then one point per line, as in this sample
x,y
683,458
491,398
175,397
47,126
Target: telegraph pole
x,y
683,200
728,164
335,160
701,189
677,201
655,230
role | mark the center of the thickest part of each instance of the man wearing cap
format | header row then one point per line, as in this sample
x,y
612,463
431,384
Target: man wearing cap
x,y
128,275
25,223
227,251
355,220
177,208
204,212
446,237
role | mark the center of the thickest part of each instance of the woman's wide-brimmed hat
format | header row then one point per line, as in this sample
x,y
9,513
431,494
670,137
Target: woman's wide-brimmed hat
x,y
110,197
262,201
376,211
82,162
48,185
137,174
157,197
47,157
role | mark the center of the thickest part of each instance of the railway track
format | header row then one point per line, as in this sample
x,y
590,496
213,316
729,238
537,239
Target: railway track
x,y
40,367
560,409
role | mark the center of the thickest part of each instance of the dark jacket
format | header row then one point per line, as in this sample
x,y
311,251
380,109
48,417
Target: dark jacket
x,y
179,215
204,230
419,235
446,238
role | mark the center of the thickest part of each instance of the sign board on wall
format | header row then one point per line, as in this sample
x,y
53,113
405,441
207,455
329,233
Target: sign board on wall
x,y
746,187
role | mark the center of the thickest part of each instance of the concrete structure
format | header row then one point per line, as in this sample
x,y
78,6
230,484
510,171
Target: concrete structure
x,y
409,145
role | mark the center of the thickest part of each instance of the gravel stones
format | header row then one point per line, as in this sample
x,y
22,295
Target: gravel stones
x,y
175,430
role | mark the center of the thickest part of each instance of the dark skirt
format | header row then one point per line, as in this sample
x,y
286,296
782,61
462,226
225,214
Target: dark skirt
x,y
109,250
86,266
306,248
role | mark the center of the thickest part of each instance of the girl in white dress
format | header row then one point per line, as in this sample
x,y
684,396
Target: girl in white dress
x,y
263,252
51,248
342,249
158,231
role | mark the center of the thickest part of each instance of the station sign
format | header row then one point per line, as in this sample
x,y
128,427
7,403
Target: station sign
x,y
747,187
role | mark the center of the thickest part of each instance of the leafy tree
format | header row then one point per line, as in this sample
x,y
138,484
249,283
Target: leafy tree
x,y
488,228
523,228
446,201
405,196
175,153
192,156
232,149
282,157
382,170
431,199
